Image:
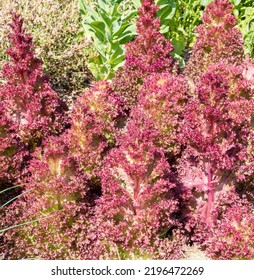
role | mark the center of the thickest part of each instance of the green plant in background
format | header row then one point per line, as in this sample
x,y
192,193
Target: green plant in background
x,y
179,18
110,26
244,11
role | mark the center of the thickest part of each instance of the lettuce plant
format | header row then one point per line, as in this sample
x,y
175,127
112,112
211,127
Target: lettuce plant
x,y
33,106
148,53
163,97
138,200
94,126
216,128
54,197
218,40
30,109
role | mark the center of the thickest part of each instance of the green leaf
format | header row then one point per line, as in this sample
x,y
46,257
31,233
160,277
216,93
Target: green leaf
x,y
164,2
120,30
82,7
205,2
128,16
117,60
102,5
9,201
179,58
167,10
107,20
164,29
236,12
165,14
119,65
10,188
117,50
114,12
179,45
97,69
98,28
237,2
127,35
136,3
103,54
115,26
92,15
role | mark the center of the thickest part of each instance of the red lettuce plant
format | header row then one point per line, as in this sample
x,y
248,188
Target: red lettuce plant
x,y
30,103
55,200
30,109
233,234
215,130
95,121
163,97
218,40
148,53
59,234
138,204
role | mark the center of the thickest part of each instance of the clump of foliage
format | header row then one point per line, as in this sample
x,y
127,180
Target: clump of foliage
x,y
95,121
149,53
216,127
30,109
55,201
154,160
218,40
138,199
110,29
163,97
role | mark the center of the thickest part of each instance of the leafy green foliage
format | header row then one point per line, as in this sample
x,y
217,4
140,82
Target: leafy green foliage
x,y
179,19
244,11
110,30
